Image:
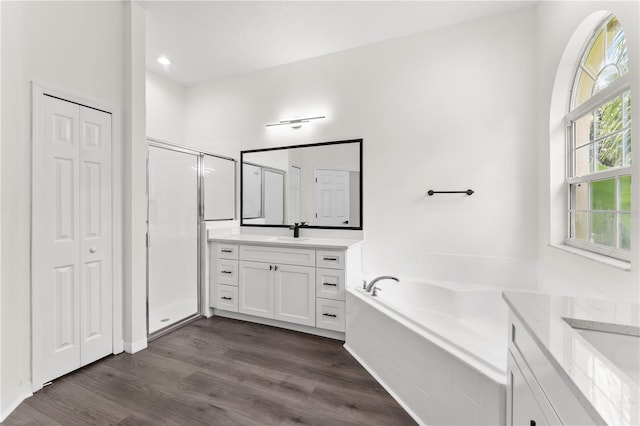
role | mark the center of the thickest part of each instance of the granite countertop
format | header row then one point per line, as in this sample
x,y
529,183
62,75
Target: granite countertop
x,y
270,240
605,391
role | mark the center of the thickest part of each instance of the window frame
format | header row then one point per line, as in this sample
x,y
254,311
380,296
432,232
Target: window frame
x,y
616,89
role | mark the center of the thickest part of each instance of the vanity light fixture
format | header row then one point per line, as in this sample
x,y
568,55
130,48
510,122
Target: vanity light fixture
x,y
295,123
163,60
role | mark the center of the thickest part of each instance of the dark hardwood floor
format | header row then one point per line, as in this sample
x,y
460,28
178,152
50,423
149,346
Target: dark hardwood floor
x,y
219,371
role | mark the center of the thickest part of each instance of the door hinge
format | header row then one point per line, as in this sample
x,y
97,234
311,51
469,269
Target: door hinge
x,y
316,215
316,180
148,239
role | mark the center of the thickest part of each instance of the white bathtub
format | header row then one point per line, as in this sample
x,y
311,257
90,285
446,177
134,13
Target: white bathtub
x,y
439,348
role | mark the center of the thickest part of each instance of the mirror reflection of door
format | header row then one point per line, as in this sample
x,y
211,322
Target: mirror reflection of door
x,y
332,197
294,194
252,191
273,197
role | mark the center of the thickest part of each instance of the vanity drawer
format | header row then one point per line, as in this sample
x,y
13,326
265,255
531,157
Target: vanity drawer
x,y
227,251
330,259
227,272
227,298
278,255
330,283
330,314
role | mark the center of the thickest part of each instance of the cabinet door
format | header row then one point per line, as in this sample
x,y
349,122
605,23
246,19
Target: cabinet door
x,y
255,289
295,291
522,406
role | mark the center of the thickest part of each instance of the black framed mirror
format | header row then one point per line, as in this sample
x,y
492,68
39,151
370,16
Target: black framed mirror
x,y
319,184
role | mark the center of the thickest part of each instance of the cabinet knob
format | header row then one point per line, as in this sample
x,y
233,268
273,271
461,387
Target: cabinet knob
x,y
93,250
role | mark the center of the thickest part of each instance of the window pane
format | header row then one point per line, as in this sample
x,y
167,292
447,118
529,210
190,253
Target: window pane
x,y
615,40
595,58
583,89
626,147
603,194
624,228
603,228
608,75
579,225
583,161
609,117
623,64
627,109
609,153
580,196
624,191
583,130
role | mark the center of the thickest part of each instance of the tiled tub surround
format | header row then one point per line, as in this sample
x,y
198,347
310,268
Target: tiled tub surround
x,y
574,381
443,358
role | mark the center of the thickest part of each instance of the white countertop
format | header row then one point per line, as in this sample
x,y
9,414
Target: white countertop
x,y
602,388
271,240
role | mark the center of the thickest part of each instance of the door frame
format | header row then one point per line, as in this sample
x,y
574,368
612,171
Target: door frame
x,y
37,92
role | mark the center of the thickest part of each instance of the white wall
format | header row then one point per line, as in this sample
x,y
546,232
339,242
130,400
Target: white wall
x,y
448,109
165,102
78,48
557,22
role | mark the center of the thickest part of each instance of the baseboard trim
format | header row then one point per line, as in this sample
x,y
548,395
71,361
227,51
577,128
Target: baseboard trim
x,y
133,347
21,394
282,324
391,392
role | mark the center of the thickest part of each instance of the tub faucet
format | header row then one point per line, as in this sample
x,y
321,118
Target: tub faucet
x,y
382,277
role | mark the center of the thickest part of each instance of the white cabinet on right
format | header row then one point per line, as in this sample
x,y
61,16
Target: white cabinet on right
x,y
536,395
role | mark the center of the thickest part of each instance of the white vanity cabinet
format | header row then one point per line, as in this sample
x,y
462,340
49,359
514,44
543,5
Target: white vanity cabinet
x,y
536,395
224,267
278,291
288,285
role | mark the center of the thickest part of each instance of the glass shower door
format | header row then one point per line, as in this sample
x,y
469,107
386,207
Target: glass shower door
x,y
173,237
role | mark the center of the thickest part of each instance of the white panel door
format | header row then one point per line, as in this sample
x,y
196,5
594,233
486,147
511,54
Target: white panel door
x,y
58,215
255,288
72,241
332,198
295,293
95,235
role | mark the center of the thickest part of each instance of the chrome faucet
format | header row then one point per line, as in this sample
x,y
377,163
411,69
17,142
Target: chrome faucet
x,y
375,280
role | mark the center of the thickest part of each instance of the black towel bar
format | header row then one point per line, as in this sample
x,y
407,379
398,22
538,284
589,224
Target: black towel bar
x,y
432,192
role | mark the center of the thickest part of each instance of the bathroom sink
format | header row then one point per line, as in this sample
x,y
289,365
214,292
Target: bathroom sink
x,y
623,350
290,239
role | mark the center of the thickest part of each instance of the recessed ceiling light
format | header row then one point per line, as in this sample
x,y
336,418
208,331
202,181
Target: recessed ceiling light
x,y
164,60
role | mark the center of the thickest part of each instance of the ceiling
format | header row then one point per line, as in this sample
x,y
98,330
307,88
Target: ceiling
x,y
211,40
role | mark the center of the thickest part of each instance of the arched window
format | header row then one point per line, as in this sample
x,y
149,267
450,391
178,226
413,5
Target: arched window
x,y
599,145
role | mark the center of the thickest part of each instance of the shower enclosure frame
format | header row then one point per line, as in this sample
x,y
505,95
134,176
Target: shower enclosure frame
x,y
201,231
